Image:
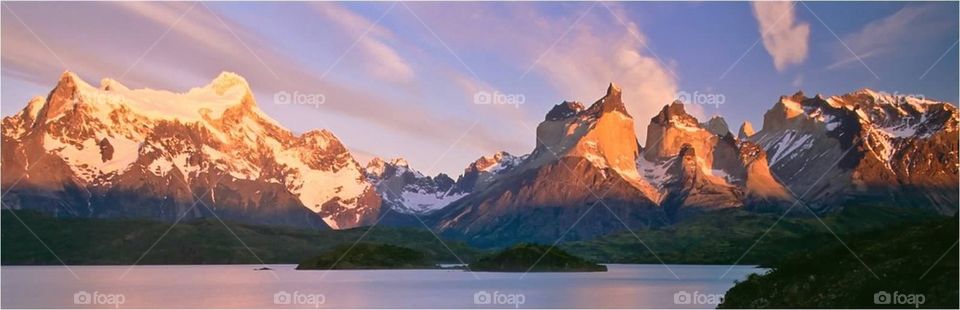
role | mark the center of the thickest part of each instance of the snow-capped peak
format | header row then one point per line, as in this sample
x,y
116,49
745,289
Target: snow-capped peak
x,y
227,81
103,133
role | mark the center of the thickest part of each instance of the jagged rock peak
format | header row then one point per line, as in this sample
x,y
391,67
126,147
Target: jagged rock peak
x,y
375,167
674,111
61,97
70,83
399,162
487,161
564,110
612,101
746,130
717,125
613,91
798,96
69,77
376,161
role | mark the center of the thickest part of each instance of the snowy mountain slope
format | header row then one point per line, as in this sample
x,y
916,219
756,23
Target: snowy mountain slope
x,y
407,190
865,146
113,151
484,171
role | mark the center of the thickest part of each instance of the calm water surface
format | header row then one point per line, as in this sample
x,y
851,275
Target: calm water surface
x,y
240,286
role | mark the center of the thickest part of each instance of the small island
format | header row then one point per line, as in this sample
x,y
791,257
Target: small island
x,y
368,256
532,258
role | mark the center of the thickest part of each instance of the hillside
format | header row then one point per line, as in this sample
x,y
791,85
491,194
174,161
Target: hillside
x,y
534,258
84,241
909,260
364,255
723,236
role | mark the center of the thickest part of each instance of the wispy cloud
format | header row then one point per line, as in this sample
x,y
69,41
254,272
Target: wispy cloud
x,y
785,37
372,43
911,24
576,54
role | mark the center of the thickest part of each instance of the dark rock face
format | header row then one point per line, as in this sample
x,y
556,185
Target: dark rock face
x,y
564,110
692,188
106,150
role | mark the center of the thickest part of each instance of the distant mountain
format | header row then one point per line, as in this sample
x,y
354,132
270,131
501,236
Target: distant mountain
x,y
864,147
407,191
110,151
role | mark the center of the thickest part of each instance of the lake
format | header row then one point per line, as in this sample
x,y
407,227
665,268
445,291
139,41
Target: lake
x,y
240,286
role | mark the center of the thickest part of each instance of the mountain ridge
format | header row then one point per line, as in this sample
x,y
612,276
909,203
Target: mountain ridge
x,y
210,151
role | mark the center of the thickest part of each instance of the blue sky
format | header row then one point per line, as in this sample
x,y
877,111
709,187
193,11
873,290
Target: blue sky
x,y
400,79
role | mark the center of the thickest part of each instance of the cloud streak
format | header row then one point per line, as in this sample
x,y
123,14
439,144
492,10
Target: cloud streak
x,y
372,43
913,24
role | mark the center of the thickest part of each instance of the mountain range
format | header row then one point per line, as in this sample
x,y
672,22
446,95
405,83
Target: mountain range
x,y
111,151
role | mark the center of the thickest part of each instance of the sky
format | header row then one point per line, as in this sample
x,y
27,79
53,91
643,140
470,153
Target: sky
x,y
441,84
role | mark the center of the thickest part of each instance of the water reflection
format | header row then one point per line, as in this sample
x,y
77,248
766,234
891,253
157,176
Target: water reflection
x,y
240,286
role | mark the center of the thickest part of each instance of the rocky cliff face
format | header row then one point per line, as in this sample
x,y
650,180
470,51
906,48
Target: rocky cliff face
x,y
112,151
583,156
702,166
